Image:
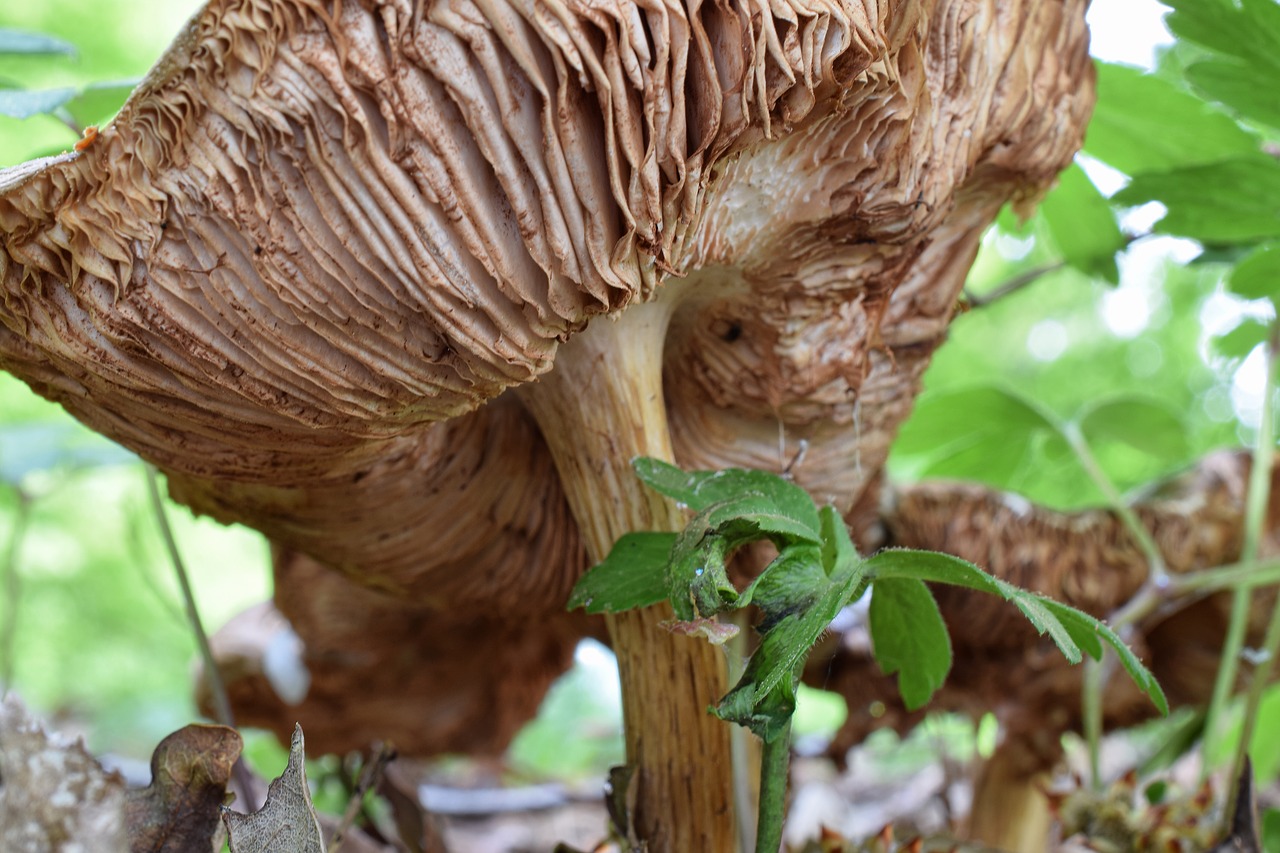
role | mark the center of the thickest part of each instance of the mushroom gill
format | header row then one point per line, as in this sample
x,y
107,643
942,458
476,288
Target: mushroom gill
x,y
322,236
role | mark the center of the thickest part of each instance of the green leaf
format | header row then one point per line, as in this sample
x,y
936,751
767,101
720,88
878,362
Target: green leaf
x,y
764,698
1242,340
26,448
838,551
1146,124
1271,829
1069,629
1083,226
910,638
22,103
982,433
1148,426
633,575
19,42
1248,90
1257,276
1249,31
696,580
98,102
1233,201
793,581
774,497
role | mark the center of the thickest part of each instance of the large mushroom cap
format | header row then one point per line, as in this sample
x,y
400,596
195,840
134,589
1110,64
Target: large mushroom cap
x,y
323,234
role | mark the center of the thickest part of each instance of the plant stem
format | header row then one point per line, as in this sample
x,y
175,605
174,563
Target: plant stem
x,y
13,590
1255,516
1091,701
221,703
1012,285
774,772
1158,572
1096,672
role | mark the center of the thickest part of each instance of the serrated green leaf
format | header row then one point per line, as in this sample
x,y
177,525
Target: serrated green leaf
x,y
1232,201
983,433
1143,124
1070,629
1257,276
789,506
1083,226
697,584
1148,426
24,103
935,567
1248,90
632,575
764,698
1090,634
1242,340
909,637
18,42
1249,30
790,583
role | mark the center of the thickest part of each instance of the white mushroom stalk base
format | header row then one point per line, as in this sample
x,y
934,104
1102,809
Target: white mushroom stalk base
x,y
601,407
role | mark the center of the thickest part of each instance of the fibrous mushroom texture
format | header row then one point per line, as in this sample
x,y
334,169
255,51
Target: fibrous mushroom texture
x,y
322,235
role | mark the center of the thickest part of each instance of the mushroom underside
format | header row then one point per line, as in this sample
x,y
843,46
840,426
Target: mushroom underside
x,y
306,266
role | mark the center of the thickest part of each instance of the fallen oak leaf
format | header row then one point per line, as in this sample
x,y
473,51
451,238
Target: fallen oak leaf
x,y
180,809
287,822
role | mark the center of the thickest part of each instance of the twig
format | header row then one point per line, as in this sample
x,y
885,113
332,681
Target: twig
x,y
1012,285
13,590
1028,277
370,773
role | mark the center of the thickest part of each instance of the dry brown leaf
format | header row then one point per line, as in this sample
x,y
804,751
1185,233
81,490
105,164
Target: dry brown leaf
x,y
53,795
180,810
287,823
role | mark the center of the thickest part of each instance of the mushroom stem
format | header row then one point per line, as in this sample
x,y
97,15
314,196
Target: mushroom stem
x,y
601,407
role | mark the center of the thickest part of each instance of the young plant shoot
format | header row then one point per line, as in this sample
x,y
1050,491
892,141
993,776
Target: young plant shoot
x,y
817,573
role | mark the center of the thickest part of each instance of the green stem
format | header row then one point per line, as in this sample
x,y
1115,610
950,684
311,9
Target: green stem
x,y
249,787
221,704
12,590
1095,673
1255,516
1158,571
1091,700
1246,574
774,765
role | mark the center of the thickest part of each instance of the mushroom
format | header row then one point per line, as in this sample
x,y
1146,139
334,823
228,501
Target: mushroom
x,y
336,265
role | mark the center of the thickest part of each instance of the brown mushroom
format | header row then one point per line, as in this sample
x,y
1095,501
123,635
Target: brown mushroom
x,y
323,235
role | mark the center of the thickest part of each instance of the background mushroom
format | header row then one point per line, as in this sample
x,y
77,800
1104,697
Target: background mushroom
x,y
320,237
